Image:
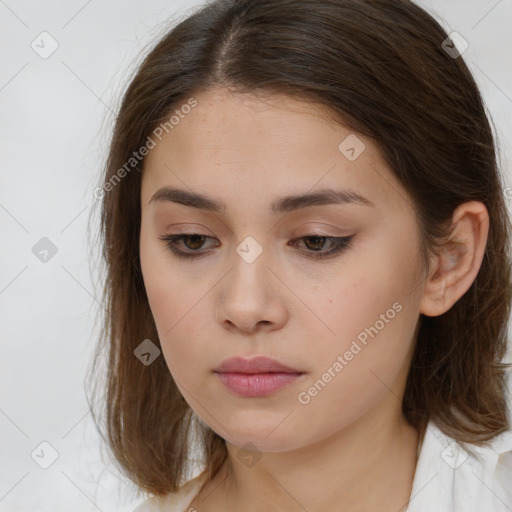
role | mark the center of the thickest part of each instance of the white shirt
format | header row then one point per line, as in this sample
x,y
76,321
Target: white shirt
x,y
447,479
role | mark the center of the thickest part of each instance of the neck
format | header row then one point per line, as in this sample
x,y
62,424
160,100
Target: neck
x,y
369,465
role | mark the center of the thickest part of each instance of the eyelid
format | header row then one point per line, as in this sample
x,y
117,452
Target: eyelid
x,y
311,228
340,243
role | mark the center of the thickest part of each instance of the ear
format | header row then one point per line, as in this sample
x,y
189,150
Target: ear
x,y
456,266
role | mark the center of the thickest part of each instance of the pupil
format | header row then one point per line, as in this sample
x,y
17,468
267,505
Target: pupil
x,y
197,239
317,240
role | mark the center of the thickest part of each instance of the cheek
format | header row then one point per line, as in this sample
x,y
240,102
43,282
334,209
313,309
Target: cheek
x,y
368,357
174,306
179,308
176,315
170,293
382,268
354,303
372,313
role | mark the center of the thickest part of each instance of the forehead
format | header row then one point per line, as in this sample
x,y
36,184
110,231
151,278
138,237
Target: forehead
x,y
229,122
242,144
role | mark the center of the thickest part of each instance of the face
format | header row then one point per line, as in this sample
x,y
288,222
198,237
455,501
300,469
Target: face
x,y
330,289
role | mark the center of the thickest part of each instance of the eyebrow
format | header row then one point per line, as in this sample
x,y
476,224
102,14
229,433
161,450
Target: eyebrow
x,y
282,205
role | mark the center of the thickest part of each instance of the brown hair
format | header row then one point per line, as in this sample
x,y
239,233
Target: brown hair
x,y
380,68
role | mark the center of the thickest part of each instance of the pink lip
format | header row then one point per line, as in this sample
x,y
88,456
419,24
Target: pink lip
x,y
259,376
258,364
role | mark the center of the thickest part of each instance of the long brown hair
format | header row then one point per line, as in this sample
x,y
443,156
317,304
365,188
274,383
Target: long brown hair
x,y
382,69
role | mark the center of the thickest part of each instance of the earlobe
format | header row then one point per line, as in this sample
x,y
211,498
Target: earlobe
x,y
456,265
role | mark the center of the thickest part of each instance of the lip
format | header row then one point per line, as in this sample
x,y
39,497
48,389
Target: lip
x,y
260,376
260,364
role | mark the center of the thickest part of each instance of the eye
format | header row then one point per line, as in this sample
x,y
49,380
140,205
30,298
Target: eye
x,y
316,242
194,241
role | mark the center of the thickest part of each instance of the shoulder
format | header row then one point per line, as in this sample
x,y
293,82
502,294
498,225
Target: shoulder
x,y
450,478
174,502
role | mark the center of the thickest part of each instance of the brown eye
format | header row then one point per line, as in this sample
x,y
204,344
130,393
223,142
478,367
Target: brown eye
x,y
189,245
186,245
196,241
317,242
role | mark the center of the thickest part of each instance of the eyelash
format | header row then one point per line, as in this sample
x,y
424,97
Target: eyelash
x,y
340,244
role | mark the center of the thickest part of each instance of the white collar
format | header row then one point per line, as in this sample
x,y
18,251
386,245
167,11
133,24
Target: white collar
x,y
449,479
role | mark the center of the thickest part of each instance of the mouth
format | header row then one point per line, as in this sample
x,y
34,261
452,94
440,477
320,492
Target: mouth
x,y
260,376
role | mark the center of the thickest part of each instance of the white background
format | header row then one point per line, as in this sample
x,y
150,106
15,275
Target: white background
x,y
55,119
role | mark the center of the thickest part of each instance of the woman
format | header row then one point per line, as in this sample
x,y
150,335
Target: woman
x,y
306,245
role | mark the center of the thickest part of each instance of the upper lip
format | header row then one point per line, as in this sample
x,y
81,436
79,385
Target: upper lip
x,y
259,364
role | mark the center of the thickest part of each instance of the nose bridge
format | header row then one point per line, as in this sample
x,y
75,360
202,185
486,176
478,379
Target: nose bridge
x,y
248,296
250,267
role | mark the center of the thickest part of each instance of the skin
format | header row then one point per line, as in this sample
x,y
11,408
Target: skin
x,y
349,447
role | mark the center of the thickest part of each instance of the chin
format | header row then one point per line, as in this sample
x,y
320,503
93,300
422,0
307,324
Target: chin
x,y
260,435
261,443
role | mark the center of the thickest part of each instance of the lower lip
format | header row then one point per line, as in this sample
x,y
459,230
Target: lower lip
x,y
257,384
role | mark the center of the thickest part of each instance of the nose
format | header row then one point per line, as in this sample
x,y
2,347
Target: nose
x,y
251,298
